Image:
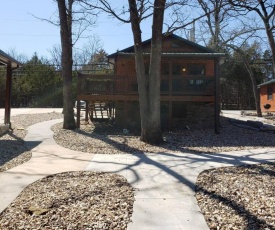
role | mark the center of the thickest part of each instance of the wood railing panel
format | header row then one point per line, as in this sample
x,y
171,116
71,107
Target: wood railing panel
x,y
127,85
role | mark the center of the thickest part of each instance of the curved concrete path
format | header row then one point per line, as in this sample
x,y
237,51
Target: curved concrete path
x,y
47,158
164,183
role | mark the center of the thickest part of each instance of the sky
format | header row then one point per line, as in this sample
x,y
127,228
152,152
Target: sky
x,y
22,32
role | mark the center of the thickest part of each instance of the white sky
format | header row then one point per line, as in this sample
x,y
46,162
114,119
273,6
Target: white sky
x,y
19,30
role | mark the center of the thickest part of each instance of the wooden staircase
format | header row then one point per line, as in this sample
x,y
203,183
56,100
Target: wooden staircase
x,y
98,110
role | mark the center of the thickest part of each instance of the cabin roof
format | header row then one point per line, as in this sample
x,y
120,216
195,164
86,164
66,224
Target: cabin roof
x,y
189,43
189,55
5,59
267,83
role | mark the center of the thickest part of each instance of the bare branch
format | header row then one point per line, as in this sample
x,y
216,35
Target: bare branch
x,y
104,6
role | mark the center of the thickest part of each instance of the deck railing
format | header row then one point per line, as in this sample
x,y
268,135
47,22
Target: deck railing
x,y
125,85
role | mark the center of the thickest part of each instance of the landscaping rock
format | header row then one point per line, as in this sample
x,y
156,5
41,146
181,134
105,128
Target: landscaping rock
x,y
4,129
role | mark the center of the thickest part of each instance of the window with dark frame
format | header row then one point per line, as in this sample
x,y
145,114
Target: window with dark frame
x,y
269,93
196,69
188,69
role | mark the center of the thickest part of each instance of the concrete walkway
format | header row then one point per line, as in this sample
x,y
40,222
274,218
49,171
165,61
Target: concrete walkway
x,y
47,158
164,182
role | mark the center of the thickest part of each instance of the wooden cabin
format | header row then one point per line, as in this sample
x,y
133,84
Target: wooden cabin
x,y
189,85
267,95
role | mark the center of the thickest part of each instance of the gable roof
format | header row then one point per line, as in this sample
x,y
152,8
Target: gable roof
x,y
131,49
5,59
267,83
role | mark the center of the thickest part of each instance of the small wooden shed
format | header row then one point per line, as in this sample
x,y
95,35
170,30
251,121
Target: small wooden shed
x,y
267,95
10,64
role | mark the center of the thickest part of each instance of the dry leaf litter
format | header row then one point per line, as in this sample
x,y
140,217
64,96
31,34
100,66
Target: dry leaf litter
x,y
240,197
106,138
103,138
72,200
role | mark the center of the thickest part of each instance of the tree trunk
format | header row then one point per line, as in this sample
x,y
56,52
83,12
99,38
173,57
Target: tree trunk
x,y
149,87
271,41
154,135
254,86
65,15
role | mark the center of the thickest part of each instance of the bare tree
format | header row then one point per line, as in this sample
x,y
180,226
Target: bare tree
x,y
70,14
65,16
265,9
252,76
21,57
56,54
84,54
216,20
219,14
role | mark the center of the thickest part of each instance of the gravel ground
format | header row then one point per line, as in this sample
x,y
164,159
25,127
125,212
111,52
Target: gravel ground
x,y
12,149
72,200
230,198
105,138
240,197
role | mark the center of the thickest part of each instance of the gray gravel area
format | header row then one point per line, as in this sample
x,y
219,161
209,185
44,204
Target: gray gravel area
x,y
230,198
12,149
240,197
106,138
72,200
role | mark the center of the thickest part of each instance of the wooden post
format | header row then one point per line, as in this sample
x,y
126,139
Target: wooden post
x,y
170,94
170,78
86,110
217,96
79,82
8,95
126,109
78,114
170,115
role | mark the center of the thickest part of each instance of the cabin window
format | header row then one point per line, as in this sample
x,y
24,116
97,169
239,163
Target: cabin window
x,y
188,69
269,93
179,69
178,110
196,69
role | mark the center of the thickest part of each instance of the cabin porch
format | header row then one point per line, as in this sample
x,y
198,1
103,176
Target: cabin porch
x,y
187,101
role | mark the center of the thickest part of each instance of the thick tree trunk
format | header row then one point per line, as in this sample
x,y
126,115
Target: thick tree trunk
x,y
65,15
153,116
271,41
149,88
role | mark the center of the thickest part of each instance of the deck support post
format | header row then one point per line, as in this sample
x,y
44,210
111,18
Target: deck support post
x,y
78,114
86,111
170,95
169,115
8,96
217,96
126,113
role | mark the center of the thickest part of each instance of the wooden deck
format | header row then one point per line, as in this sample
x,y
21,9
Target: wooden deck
x,y
123,87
